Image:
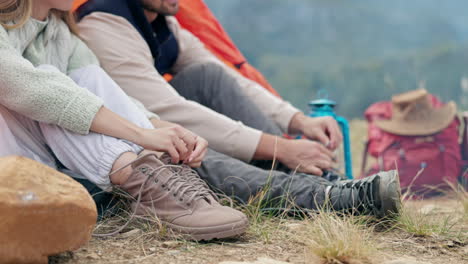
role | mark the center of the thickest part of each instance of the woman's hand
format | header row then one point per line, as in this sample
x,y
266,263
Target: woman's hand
x,y
180,143
200,148
177,141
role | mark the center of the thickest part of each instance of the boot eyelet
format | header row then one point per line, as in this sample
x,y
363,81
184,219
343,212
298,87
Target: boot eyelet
x,y
188,204
164,185
144,169
181,200
174,194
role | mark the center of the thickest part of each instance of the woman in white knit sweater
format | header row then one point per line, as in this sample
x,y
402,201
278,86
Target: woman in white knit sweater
x,y
57,103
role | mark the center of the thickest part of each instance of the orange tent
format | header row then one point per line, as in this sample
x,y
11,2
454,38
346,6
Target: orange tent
x,y
78,3
197,18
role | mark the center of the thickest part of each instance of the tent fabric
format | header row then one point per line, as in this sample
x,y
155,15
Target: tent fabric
x,y
78,3
196,17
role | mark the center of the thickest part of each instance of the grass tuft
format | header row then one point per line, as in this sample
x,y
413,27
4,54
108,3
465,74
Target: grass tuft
x,y
461,195
426,224
335,239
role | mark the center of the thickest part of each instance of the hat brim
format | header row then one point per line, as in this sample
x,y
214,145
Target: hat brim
x,y
440,119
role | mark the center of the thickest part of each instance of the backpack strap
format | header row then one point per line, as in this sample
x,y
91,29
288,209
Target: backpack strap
x,y
464,144
464,152
364,158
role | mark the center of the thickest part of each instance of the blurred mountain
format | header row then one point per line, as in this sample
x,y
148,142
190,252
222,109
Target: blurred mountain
x,y
360,51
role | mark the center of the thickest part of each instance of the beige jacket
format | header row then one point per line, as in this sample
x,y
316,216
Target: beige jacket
x,y
126,57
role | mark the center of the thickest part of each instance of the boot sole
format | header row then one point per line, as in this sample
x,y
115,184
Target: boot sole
x,y
390,194
222,231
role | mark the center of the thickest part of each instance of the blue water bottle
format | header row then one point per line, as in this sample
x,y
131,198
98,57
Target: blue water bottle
x,y
326,107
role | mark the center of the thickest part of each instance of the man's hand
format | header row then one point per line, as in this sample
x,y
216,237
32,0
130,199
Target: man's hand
x,y
322,129
305,156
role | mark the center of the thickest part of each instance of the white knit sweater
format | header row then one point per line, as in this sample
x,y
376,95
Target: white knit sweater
x,y
49,97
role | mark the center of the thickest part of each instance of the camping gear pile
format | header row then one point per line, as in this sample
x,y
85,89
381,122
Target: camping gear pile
x,y
418,135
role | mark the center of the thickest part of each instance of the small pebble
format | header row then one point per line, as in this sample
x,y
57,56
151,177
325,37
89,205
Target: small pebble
x,y
173,252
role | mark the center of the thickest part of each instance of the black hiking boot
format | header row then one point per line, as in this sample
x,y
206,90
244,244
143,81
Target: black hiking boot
x,y
378,195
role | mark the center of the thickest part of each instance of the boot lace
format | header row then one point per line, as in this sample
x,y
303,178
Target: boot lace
x,y
356,195
181,185
191,175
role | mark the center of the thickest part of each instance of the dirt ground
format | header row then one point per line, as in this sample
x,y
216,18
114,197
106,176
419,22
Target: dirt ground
x,y
278,243
277,239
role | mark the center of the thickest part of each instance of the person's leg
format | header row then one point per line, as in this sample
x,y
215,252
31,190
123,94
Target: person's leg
x,y
93,155
21,136
244,181
210,85
378,195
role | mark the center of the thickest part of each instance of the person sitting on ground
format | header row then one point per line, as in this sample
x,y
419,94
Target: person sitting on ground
x,y
92,127
138,41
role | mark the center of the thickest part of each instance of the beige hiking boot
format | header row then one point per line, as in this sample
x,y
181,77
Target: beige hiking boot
x,y
181,203
192,176
188,173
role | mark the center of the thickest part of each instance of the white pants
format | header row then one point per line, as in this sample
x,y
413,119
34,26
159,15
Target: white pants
x,y
91,155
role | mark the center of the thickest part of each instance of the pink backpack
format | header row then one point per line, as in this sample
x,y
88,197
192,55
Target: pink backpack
x,y
433,159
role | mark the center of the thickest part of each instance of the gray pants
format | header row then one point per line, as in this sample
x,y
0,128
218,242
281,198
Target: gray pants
x,y
210,85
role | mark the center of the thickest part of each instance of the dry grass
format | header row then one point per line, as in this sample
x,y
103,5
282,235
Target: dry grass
x,y
335,239
329,238
144,228
267,222
427,224
462,197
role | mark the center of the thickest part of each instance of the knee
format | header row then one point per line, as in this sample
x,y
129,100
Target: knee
x,y
93,78
83,74
207,71
211,68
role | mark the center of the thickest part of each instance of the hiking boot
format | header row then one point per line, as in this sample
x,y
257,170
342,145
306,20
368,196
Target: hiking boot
x,y
378,195
189,174
192,176
333,175
180,204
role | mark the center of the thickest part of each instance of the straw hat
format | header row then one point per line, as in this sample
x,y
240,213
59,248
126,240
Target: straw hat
x,y
414,115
